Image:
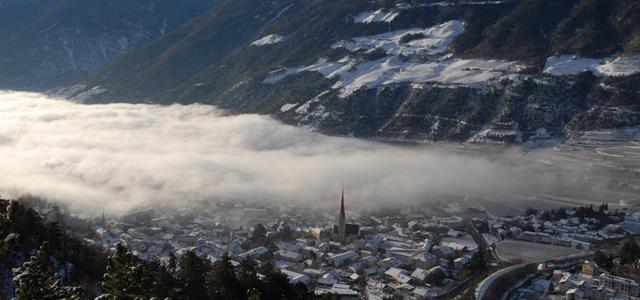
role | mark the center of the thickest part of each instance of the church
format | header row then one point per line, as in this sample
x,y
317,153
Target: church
x,y
342,232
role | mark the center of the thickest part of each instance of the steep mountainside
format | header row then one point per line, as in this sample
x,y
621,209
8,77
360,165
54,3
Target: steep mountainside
x,y
48,43
477,71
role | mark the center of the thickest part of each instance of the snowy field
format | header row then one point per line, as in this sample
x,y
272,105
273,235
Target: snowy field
x,y
432,40
571,65
419,60
510,250
421,56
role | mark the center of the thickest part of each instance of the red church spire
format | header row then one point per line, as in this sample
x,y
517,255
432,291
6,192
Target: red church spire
x,y
342,214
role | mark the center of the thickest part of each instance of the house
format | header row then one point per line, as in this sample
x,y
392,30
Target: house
x,y
312,273
341,291
342,258
390,262
419,275
287,255
320,234
421,293
295,277
327,280
255,253
424,260
398,276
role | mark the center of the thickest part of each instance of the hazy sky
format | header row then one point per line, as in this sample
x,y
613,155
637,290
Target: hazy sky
x,y
121,156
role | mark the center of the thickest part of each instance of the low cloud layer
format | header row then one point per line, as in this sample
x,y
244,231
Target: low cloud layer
x,y
120,157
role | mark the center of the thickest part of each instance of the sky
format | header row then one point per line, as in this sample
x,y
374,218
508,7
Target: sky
x,y
124,157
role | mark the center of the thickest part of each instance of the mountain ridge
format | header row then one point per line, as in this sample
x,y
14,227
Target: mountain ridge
x,y
380,70
53,43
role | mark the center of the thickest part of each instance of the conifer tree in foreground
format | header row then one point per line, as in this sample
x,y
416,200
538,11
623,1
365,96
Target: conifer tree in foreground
x,y
630,251
192,276
126,276
222,282
37,280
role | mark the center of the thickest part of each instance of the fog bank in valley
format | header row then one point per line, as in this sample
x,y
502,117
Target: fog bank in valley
x,y
120,157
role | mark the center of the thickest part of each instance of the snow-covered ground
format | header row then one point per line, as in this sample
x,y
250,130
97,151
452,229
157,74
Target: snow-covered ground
x,y
496,136
432,40
571,65
621,66
268,40
376,16
509,250
287,107
392,70
423,59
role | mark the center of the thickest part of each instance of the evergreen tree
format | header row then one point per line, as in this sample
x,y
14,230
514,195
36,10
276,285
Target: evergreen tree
x,y
530,211
222,282
54,236
37,280
259,232
602,260
253,294
562,213
127,276
247,274
192,276
26,223
275,283
630,252
277,286
173,262
287,233
478,262
164,283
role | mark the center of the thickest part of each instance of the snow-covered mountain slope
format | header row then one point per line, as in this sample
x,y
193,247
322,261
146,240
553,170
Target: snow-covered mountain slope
x,y
476,71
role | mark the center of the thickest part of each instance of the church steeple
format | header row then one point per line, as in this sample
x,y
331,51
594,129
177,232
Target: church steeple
x,y
341,221
342,214
340,233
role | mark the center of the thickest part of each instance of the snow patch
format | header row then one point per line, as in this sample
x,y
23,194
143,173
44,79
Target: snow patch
x,y
621,66
353,76
496,136
571,65
419,59
287,107
393,70
376,17
268,40
432,40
